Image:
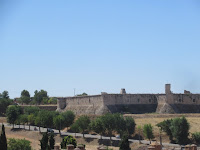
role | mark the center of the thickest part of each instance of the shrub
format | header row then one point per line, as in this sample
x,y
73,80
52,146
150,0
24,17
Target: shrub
x,y
68,140
196,137
19,144
148,131
124,143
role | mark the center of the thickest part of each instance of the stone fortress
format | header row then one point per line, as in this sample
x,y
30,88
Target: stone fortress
x,y
168,102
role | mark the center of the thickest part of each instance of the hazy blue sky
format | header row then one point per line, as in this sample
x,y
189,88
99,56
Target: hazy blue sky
x,y
95,46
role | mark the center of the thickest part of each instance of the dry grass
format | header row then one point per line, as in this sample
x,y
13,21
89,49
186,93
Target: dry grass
x,y
141,119
34,138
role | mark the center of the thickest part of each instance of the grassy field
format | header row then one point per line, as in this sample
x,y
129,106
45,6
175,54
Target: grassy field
x,y
34,138
140,119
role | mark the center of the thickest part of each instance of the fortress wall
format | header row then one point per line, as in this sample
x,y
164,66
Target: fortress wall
x,y
131,103
121,99
61,103
81,105
85,100
193,99
185,103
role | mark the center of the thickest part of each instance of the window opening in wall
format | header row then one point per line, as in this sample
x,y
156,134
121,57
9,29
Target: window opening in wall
x,y
149,100
179,100
194,100
138,100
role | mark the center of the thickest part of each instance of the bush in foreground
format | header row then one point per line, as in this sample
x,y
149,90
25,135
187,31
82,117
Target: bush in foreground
x,y
19,144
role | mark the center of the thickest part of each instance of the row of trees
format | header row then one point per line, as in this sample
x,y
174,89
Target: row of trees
x,y
105,125
177,129
40,97
42,118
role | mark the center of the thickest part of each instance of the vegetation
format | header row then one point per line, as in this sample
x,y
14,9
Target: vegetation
x,y
19,144
124,143
39,96
83,94
98,126
68,140
4,102
139,128
148,131
47,142
177,129
82,123
25,97
196,138
3,140
13,113
68,118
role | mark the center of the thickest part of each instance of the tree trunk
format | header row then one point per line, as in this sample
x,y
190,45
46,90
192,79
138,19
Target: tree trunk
x,y
13,125
39,128
19,125
29,127
139,138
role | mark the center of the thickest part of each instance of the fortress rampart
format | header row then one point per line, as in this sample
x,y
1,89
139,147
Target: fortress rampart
x,y
132,103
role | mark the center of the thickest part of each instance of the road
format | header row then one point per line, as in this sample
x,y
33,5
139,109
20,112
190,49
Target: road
x,y
32,128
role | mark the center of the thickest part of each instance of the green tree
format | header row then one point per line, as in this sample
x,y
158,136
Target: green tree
x,y
83,94
109,123
51,141
119,124
69,117
19,144
4,103
68,140
148,131
180,130
124,143
24,119
46,118
13,113
25,97
165,126
83,123
52,100
40,95
5,95
98,126
196,138
44,141
3,139
130,125
31,119
37,121
139,128
75,128
58,122
31,110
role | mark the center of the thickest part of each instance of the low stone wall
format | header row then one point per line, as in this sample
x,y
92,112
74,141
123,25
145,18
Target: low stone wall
x,y
45,107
